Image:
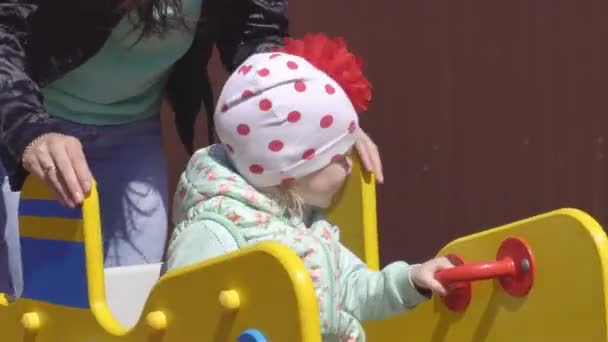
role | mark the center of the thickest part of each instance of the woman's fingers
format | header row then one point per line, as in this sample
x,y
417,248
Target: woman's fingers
x,y
79,162
59,160
65,174
370,155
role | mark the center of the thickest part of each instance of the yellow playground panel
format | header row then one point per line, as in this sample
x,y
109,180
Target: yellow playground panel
x,y
567,301
550,284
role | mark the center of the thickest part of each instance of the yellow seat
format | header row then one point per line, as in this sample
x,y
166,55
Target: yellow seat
x,y
567,302
355,214
265,287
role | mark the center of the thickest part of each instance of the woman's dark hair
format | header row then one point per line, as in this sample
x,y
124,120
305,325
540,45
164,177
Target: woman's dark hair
x,y
153,16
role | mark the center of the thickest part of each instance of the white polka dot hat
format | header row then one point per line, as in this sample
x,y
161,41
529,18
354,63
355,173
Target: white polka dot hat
x,y
282,118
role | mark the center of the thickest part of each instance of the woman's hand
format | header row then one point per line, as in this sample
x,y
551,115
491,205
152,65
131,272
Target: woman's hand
x,y
59,160
368,151
423,275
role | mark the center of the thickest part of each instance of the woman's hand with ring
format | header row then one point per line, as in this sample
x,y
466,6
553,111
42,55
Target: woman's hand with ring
x,y
59,160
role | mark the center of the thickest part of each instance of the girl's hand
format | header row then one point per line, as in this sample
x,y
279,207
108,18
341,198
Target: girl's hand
x,y
59,160
423,275
368,151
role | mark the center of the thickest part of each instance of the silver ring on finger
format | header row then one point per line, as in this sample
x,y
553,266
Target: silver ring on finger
x,y
48,169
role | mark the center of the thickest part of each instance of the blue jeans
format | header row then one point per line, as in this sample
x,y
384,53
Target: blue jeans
x,y
128,164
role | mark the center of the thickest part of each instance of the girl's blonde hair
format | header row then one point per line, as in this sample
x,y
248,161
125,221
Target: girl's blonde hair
x,y
291,203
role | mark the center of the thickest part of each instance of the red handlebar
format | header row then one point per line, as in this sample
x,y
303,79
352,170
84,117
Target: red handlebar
x,y
477,271
514,268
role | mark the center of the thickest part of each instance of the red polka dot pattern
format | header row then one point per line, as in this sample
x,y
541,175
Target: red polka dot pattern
x,y
327,121
257,169
265,105
352,127
247,94
275,145
294,116
300,86
243,129
308,154
264,72
245,69
315,114
292,65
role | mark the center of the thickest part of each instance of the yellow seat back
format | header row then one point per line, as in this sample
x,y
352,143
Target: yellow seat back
x,y
265,287
53,248
355,214
568,300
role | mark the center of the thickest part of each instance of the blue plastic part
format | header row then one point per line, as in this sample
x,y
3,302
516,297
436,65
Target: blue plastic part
x,y
47,208
54,271
252,335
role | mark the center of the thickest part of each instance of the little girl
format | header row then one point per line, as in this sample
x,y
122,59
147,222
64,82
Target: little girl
x,y
286,121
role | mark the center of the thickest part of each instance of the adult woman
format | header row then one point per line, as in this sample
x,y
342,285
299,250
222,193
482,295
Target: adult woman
x,y
81,84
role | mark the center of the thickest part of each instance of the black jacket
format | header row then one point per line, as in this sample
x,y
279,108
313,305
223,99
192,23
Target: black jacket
x,y
42,40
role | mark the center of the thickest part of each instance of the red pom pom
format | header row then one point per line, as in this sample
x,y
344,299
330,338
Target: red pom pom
x,y
332,57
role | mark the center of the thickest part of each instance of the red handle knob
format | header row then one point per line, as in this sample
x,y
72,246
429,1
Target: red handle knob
x,y
514,268
477,271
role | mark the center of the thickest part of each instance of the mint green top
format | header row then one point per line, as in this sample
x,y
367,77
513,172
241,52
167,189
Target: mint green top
x,y
124,81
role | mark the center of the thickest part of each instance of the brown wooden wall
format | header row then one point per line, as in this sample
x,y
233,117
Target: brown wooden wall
x,y
485,111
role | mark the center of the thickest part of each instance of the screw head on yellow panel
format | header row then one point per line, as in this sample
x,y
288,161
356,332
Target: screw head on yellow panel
x,y
230,300
30,322
157,320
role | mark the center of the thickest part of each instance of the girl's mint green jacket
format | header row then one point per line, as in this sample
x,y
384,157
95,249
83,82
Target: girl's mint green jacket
x,y
216,211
